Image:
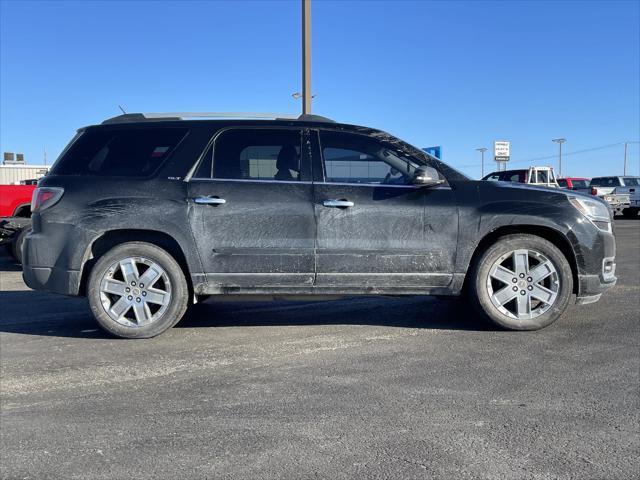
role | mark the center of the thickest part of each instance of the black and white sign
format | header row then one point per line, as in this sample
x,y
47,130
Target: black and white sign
x,y
501,150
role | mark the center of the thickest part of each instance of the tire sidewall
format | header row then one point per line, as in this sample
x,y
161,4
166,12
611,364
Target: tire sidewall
x,y
18,242
480,295
179,290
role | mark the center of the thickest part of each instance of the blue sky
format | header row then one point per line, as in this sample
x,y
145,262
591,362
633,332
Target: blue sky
x,y
456,74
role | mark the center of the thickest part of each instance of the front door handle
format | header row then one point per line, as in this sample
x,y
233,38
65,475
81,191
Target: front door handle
x,y
210,200
338,203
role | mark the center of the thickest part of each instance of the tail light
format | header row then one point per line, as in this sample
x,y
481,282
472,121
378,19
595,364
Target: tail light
x,y
45,197
594,191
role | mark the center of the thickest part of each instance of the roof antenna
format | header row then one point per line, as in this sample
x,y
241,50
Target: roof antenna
x,y
122,109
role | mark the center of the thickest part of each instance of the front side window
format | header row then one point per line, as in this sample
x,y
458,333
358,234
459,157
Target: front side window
x,y
254,154
352,158
115,152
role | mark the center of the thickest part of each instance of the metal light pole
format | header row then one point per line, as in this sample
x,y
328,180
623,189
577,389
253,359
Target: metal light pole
x,y
625,158
559,141
482,150
306,57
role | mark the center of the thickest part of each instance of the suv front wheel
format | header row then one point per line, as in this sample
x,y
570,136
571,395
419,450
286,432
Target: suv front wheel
x,y
521,282
137,290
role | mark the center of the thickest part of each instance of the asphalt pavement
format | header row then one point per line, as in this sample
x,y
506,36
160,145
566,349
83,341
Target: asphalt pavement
x,y
392,388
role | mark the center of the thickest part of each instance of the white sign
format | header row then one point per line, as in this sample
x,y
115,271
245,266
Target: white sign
x,y
501,150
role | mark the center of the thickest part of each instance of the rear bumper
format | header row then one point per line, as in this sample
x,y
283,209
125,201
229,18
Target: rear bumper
x,y
55,280
45,266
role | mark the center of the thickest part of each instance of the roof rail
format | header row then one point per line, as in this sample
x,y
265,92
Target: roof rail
x,y
151,117
142,117
307,117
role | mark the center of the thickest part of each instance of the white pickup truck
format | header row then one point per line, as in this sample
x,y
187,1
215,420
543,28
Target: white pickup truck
x,y
540,176
621,192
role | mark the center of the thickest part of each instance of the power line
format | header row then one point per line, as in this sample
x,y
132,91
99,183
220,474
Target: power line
x,y
553,157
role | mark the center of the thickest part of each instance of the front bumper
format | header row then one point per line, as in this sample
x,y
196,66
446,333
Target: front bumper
x,y
591,288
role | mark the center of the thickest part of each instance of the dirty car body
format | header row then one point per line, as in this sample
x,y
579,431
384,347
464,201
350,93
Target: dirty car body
x,y
336,212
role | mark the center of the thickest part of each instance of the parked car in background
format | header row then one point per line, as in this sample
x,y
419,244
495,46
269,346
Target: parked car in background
x,y
15,216
621,192
540,176
146,215
577,184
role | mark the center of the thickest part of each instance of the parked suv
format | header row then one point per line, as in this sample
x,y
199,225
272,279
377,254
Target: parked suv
x,y
145,216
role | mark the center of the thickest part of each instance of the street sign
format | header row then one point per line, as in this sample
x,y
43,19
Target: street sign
x,y
501,150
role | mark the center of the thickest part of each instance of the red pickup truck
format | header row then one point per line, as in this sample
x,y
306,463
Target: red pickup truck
x,y
15,216
15,200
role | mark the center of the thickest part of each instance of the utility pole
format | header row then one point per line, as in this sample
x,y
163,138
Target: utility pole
x,y
559,141
482,150
306,57
625,158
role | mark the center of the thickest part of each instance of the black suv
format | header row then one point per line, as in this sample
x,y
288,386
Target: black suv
x,y
147,215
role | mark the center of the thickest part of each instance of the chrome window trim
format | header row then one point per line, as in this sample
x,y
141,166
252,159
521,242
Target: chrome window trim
x,y
305,182
382,185
250,180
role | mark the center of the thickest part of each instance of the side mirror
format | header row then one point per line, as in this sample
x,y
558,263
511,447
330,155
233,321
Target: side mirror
x,y
426,177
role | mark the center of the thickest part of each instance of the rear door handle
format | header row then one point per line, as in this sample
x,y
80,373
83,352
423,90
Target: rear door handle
x,y
210,200
338,203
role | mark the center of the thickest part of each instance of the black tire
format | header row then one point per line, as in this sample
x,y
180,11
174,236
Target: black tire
x,y
17,242
630,212
179,297
479,294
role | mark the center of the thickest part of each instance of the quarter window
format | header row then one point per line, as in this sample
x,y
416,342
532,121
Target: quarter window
x,y
254,154
114,152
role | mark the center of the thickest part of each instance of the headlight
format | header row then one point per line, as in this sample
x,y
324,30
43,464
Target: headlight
x,y
596,211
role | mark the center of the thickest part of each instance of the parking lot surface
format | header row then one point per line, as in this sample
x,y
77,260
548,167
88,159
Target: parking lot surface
x,y
355,388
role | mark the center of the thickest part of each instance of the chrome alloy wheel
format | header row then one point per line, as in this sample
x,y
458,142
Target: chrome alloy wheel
x,y
135,291
523,284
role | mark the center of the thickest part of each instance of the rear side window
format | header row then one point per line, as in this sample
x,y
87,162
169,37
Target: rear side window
x,y
122,153
254,154
605,182
543,176
631,181
563,183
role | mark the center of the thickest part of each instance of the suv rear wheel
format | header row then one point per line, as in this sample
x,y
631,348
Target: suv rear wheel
x,y
521,282
137,290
